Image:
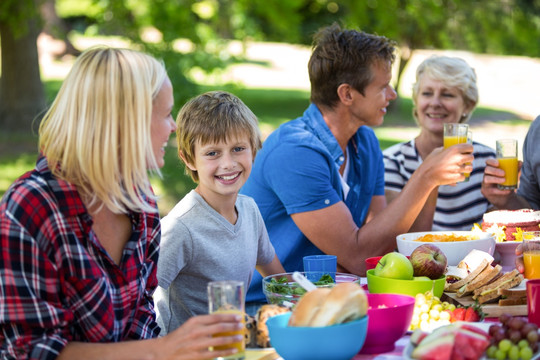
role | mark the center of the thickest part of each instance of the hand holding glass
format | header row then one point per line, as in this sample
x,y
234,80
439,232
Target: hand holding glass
x,y
531,254
228,297
508,161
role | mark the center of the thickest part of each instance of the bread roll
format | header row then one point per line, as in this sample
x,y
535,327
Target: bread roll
x,y
346,302
324,306
308,306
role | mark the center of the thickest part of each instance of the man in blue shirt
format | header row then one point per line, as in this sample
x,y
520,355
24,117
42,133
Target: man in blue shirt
x,y
319,179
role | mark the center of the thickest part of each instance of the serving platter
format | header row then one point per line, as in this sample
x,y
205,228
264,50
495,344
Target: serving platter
x,y
490,309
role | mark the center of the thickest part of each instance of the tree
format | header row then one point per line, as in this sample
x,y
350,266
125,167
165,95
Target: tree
x,y
21,92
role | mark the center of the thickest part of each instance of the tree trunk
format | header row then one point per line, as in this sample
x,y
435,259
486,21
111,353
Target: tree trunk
x,y
22,98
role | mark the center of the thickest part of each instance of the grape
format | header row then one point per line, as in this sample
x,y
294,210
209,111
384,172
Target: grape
x,y
500,355
514,336
513,353
429,312
523,343
504,345
532,336
526,328
490,352
499,335
503,318
526,353
493,329
516,323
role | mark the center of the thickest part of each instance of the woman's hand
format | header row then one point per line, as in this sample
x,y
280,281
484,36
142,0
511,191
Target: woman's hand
x,y
519,259
194,338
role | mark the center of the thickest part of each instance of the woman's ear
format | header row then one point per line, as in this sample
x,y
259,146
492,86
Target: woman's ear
x,y
188,164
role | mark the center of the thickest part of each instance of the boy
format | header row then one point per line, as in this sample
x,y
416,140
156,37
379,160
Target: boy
x,y
212,233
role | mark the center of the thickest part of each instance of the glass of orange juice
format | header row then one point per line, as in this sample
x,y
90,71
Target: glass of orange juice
x,y
531,254
228,297
508,161
456,133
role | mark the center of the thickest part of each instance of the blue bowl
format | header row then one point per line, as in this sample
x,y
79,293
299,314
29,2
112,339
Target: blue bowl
x,y
336,342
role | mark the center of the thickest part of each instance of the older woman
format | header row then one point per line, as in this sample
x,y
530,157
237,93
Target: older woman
x,y
80,233
445,92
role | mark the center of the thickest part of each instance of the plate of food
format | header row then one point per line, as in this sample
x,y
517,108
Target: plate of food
x,y
477,340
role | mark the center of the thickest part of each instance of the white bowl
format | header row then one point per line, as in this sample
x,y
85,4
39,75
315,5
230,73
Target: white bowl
x,y
455,251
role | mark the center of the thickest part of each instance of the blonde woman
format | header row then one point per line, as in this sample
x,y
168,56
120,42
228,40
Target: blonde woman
x,y
80,233
445,91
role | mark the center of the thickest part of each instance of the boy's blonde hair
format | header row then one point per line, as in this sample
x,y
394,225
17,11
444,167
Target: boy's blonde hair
x,y
212,117
96,135
453,72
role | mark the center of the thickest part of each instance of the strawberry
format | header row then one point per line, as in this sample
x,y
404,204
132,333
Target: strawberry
x,y
471,315
475,314
458,314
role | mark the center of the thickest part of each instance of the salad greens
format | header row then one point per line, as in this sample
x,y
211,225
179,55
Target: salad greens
x,y
283,286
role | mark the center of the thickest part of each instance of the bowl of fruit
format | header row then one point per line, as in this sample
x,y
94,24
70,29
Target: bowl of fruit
x,y
389,319
396,273
281,289
513,338
452,243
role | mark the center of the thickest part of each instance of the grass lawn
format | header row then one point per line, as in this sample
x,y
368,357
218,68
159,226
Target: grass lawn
x,y
272,106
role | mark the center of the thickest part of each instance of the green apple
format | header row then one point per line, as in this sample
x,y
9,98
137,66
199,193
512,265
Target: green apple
x,y
421,278
394,265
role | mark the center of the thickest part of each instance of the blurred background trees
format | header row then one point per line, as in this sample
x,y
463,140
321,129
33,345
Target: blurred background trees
x,y
505,27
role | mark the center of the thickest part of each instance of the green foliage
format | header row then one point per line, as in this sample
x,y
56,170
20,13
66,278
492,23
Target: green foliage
x,y
14,13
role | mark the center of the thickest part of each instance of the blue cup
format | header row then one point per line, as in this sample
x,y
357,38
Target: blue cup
x,y
316,266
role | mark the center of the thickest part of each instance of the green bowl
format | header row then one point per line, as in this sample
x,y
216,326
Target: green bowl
x,y
381,285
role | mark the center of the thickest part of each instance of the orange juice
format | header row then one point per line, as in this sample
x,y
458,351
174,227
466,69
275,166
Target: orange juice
x,y
510,167
454,140
531,260
240,346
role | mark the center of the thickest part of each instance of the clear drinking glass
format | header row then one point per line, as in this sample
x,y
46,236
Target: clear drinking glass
x,y
508,161
228,297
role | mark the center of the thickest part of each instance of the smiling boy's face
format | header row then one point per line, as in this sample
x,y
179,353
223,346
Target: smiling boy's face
x,y
223,168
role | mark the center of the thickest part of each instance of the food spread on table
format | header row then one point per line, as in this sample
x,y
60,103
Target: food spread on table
x,y
481,314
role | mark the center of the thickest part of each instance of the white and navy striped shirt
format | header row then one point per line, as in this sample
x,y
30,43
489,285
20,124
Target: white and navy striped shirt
x,y
458,207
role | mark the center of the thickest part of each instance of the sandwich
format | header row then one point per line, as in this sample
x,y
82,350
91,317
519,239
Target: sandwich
x,y
470,277
467,269
490,292
486,276
512,297
323,307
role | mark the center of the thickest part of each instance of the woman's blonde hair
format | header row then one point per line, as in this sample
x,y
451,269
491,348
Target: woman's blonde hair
x,y
453,72
96,135
212,117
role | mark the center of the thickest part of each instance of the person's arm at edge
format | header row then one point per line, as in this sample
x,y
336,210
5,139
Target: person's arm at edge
x,y
189,342
333,230
273,267
424,220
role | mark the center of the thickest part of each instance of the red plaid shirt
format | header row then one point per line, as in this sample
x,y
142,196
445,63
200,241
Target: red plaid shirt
x,y
57,283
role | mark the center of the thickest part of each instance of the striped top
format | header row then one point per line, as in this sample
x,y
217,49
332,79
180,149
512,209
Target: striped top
x,y
458,207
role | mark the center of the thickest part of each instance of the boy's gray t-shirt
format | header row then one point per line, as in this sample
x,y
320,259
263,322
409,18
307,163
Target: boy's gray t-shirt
x,y
199,245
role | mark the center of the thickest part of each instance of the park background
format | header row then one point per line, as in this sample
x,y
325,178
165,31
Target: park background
x,y
258,50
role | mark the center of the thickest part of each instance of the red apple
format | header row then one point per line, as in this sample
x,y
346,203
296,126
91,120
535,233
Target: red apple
x,y
428,260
